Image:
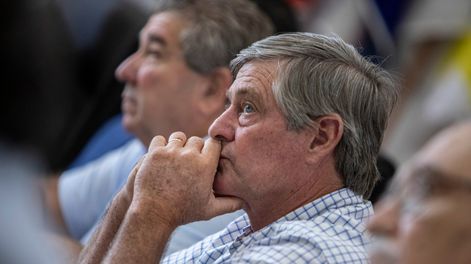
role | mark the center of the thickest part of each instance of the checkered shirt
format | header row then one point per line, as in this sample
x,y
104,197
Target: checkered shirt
x,y
328,230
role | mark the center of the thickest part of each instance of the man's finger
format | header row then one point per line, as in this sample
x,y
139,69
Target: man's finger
x,y
138,164
157,141
176,139
132,177
212,149
195,142
224,205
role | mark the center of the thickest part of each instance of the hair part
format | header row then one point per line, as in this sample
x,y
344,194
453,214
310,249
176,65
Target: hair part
x,y
217,29
323,75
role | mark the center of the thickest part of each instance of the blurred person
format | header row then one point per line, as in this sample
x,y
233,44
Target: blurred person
x,y
103,35
434,48
111,134
425,217
295,148
176,80
34,107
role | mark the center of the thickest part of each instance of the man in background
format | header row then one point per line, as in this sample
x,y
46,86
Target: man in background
x,y
34,106
176,80
425,216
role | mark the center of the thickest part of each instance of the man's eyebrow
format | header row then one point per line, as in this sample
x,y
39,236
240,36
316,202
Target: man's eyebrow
x,y
427,178
247,92
156,38
152,38
435,177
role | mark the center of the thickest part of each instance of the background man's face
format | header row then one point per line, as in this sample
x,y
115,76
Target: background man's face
x,y
426,216
160,94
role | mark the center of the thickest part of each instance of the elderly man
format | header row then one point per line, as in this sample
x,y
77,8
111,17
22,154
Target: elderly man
x,y
426,216
295,148
176,80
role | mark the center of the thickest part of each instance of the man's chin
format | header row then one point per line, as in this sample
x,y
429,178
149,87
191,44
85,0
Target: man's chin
x,y
129,123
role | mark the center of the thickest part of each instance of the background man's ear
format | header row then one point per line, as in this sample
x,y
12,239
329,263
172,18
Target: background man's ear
x,y
214,95
327,134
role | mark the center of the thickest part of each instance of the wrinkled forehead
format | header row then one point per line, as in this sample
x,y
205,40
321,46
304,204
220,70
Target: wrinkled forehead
x,y
450,152
255,77
418,179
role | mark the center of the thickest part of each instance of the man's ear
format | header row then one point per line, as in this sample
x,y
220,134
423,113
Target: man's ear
x,y
213,96
326,135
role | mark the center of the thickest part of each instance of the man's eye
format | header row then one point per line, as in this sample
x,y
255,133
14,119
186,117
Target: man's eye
x,y
247,109
154,53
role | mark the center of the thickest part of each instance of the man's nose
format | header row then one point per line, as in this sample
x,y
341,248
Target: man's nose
x,y
126,71
385,220
223,128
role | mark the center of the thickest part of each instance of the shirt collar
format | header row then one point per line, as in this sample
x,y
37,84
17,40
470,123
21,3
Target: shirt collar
x,y
331,201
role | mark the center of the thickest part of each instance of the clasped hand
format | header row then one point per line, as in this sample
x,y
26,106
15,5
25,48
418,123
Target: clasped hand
x,y
173,182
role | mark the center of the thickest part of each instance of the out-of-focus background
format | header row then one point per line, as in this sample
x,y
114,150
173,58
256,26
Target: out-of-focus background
x,y
425,43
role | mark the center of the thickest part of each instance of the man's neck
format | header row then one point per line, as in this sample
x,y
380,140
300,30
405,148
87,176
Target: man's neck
x,y
280,205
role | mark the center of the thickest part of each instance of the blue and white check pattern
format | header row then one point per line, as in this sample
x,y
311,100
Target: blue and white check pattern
x,y
330,229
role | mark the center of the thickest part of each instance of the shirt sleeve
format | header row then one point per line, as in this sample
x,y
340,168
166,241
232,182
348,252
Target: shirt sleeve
x,y
85,191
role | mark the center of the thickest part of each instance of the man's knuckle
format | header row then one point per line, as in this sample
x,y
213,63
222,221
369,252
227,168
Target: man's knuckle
x,y
188,154
157,154
196,139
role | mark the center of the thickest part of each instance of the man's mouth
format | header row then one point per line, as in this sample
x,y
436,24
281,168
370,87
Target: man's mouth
x,y
128,104
220,168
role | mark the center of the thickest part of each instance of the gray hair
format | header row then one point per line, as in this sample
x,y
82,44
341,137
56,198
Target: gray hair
x,y
218,29
321,75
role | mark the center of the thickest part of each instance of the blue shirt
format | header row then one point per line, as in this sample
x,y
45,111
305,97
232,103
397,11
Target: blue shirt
x,y
330,229
109,136
85,191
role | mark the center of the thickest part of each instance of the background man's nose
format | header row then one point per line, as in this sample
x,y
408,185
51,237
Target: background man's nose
x,y
385,219
126,71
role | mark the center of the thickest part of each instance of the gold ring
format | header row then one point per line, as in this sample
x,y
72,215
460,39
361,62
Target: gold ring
x,y
175,139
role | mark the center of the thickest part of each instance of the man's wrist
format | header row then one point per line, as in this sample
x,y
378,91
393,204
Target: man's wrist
x,y
149,211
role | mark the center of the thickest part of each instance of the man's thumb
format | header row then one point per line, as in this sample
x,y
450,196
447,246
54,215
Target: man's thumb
x,y
224,205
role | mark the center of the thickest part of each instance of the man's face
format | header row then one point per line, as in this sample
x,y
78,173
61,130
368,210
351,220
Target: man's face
x,y
425,217
161,90
259,153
